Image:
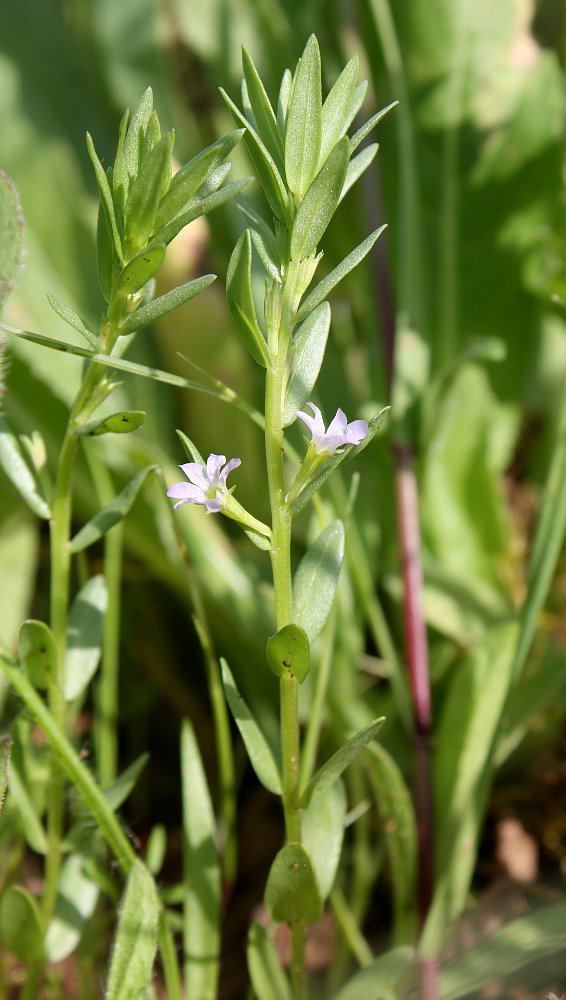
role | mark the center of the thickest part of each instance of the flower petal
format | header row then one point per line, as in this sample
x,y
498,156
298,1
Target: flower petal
x,y
213,465
309,421
187,492
232,464
356,431
338,425
214,505
195,473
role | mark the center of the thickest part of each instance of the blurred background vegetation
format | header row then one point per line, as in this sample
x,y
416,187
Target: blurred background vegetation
x,y
470,179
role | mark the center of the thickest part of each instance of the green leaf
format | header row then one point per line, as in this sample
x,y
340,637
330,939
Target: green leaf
x,y
5,753
69,316
200,205
283,100
320,203
241,301
201,875
322,831
107,259
77,896
21,784
520,942
37,654
316,578
292,892
120,175
164,304
269,176
146,192
131,968
20,924
268,260
334,462
307,354
191,449
106,199
362,132
133,142
265,121
336,110
116,793
329,773
111,514
304,122
289,650
324,287
14,464
259,753
192,175
11,236
379,979
84,636
123,422
266,974
357,166
140,269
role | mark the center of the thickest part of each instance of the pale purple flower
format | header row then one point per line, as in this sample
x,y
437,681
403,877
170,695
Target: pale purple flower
x,y
207,483
339,432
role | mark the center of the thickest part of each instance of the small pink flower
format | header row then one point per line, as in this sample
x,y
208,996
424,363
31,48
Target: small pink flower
x,y
207,483
339,432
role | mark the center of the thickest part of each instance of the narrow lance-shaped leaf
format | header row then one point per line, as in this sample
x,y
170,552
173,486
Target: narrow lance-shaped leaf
x,y
84,636
192,175
201,875
14,464
335,765
69,316
155,310
304,122
360,135
20,924
11,231
292,893
241,301
380,978
140,269
136,130
357,166
316,579
324,287
120,175
266,973
111,514
200,206
191,449
261,757
283,100
5,751
26,810
265,120
105,196
116,793
146,192
320,203
308,347
322,829
131,968
107,260
269,176
337,107
77,896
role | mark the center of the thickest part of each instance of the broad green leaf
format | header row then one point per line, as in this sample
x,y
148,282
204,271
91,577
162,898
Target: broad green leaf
x,y
357,166
292,892
316,578
399,831
379,979
321,291
269,176
283,100
192,175
362,132
265,122
120,789
304,122
259,752
329,773
201,875
520,942
36,653
133,141
77,896
69,316
307,354
5,752
191,449
200,206
320,203
140,269
14,464
106,199
84,636
288,650
111,514
241,301
131,968
117,423
334,462
266,973
336,109
322,831
11,232
162,306
146,192
20,924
